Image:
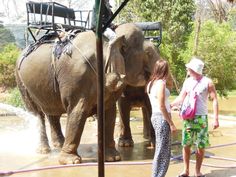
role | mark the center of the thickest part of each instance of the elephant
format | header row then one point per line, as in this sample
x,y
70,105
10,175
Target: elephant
x,y
51,87
137,97
134,97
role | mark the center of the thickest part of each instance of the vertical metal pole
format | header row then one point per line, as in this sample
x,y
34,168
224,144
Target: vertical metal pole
x,y
115,14
99,6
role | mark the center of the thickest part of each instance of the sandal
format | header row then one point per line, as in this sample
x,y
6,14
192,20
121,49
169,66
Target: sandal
x,y
201,176
183,175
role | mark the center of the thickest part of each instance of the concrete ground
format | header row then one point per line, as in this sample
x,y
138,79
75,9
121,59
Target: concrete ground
x,y
19,139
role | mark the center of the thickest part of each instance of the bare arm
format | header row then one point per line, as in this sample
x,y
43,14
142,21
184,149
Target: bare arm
x,y
179,99
213,96
167,116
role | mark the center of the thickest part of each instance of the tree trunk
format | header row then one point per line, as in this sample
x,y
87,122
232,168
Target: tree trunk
x,y
196,38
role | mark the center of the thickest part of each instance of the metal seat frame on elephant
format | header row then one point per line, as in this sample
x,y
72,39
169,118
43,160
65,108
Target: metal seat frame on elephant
x,y
52,16
152,31
55,17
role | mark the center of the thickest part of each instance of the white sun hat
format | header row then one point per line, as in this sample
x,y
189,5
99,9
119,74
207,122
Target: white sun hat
x,y
196,65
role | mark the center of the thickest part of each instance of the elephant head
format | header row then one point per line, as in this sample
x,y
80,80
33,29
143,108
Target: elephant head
x,y
139,54
129,54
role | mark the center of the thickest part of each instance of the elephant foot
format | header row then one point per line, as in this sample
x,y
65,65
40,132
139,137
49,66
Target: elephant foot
x,y
58,144
126,142
57,147
146,136
112,155
66,158
43,149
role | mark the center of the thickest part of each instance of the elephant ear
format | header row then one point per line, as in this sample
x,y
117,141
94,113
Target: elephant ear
x,y
115,60
152,54
148,48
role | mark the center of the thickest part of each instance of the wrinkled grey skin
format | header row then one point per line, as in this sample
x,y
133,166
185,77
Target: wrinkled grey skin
x,y
134,97
137,97
76,91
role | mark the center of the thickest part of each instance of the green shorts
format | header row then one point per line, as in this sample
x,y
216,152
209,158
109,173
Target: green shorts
x,y
195,131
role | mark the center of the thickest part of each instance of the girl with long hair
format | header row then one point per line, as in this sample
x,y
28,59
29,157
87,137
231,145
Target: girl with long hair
x,y
161,117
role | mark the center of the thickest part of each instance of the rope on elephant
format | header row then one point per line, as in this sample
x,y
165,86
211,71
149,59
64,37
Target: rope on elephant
x,y
85,58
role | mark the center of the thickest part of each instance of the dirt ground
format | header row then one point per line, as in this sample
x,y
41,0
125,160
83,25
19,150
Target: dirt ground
x,y
19,141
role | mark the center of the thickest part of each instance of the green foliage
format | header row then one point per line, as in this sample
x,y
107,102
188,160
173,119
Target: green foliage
x,y
232,93
7,65
15,98
5,37
217,47
217,42
232,17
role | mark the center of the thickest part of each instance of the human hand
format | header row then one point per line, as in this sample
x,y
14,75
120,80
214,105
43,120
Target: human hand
x,y
216,124
174,107
173,129
113,26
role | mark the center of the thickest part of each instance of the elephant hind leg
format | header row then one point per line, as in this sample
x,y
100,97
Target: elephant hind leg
x,y
43,147
56,131
31,106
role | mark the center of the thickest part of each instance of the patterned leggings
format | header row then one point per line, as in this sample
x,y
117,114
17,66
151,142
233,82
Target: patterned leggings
x,y
163,145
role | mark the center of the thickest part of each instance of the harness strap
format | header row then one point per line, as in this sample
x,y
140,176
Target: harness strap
x,y
85,58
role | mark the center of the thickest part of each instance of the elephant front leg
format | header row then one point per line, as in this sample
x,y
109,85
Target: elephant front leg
x,y
74,128
146,123
125,139
111,154
148,131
